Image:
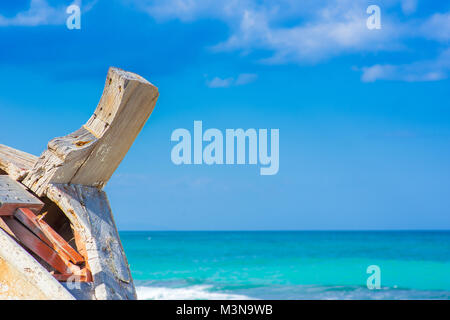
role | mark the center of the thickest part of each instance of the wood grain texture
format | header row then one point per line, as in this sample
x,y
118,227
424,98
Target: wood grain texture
x,y
90,214
14,195
22,277
16,163
90,155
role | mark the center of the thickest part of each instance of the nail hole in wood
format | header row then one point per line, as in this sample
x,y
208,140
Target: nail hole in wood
x,y
81,143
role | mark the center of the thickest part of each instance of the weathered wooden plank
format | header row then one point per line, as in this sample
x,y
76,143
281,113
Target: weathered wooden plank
x,y
31,224
16,163
90,155
90,214
36,245
59,244
14,285
22,277
14,195
41,229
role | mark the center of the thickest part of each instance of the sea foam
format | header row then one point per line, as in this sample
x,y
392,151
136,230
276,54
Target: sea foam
x,y
197,292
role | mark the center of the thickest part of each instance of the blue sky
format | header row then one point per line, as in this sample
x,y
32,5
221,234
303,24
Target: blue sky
x,y
364,115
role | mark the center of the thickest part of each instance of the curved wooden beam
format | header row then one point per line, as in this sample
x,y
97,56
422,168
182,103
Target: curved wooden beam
x,y
90,155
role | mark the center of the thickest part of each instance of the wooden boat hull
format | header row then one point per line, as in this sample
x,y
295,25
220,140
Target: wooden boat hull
x,y
76,222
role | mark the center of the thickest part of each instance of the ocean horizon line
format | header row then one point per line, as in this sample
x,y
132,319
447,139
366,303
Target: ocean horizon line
x,y
294,230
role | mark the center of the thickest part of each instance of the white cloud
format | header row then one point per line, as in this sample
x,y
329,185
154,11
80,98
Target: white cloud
x,y
242,79
437,27
409,6
292,31
427,70
220,83
335,32
326,29
307,31
41,13
245,78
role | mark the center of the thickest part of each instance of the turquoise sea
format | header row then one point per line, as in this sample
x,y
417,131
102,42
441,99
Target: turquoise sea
x,y
289,265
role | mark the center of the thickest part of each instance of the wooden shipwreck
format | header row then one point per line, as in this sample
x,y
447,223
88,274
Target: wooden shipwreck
x,y
58,238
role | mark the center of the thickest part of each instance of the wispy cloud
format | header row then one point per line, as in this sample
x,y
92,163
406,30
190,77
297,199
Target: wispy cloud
x,y
245,78
426,70
310,31
409,6
242,79
41,12
324,28
329,32
219,83
437,27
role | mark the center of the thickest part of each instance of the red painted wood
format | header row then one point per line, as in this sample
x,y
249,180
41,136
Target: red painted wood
x,y
48,235
37,246
60,244
28,219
